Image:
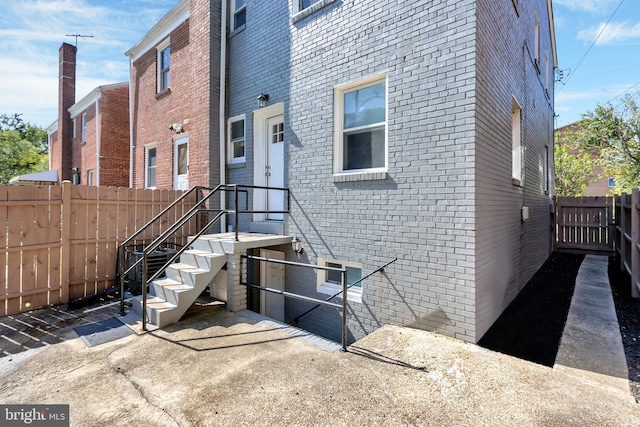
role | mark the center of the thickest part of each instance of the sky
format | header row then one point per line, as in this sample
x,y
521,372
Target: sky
x,y
598,50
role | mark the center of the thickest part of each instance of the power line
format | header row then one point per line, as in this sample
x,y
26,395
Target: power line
x,y
593,44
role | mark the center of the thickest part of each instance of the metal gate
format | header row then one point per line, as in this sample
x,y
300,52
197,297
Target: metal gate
x,y
585,224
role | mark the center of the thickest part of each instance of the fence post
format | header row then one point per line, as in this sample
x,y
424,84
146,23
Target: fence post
x,y
635,240
65,234
623,230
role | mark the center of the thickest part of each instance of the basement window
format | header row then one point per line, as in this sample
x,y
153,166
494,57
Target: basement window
x,y
329,282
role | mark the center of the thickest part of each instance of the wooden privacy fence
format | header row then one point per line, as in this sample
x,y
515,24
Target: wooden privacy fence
x,y
628,236
59,243
584,224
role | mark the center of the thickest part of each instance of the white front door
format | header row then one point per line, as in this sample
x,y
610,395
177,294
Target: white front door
x,y
275,166
181,164
272,276
268,161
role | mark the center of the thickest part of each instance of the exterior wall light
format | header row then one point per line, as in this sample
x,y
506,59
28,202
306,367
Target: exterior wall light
x,y
176,127
262,100
296,244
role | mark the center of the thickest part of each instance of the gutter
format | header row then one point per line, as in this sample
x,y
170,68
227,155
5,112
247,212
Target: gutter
x,y
130,123
98,129
222,110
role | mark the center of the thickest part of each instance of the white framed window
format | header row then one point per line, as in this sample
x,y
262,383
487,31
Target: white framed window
x,y
330,281
164,65
547,176
239,9
360,135
516,145
75,123
150,163
547,74
236,139
90,177
303,8
536,43
611,182
84,128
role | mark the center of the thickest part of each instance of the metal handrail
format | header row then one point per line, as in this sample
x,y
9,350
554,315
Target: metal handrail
x,y
196,209
122,246
343,280
296,319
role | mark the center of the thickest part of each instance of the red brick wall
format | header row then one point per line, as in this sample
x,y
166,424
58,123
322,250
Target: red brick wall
x,y
61,143
191,101
114,138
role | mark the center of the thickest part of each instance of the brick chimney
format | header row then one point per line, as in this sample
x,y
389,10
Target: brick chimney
x,y
61,156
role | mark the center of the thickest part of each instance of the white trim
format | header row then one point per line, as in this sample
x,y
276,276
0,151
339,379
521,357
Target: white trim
x,y
260,118
146,165
235,11
354,294
166,43
89,99
338,121
169,22
183,139
230,157
516,141
83,130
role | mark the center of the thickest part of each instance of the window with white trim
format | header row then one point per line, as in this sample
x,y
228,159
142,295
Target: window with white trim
x,y
536,43
546,169
303,4
361,126
239,8
330,281
74,128
84,128
611,182
164,65
516,146
90,177
236,132
150,163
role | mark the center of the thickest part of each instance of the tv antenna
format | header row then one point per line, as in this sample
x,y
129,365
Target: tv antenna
x,y
82,36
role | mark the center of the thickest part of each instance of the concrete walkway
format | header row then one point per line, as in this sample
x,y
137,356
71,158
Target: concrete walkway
x,y
217,368
591,346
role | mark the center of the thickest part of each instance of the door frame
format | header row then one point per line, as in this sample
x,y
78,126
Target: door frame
x,y
260,142
267,270
182,139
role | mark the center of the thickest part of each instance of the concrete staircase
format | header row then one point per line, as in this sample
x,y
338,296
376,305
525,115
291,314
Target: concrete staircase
x,y
171,296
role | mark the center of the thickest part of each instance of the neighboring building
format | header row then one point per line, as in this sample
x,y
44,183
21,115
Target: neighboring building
x,y
89,143
604,185
421,131
175,92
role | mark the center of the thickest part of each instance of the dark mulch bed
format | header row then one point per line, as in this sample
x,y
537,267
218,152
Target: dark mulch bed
x,y
628,311
531,326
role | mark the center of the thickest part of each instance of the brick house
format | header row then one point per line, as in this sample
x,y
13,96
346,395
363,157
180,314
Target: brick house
x,y
604,185
89,142
417,131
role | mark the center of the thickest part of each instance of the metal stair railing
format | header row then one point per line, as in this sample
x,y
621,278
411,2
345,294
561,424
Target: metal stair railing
x,y
297,318
195,210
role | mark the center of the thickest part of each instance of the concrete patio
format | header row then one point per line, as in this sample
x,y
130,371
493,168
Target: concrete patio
x,y
220,368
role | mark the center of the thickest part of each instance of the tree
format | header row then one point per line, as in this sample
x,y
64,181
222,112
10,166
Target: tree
x,y
23,148
573,168
612,136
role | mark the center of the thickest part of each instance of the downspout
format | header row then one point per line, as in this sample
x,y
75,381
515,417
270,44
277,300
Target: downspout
x,y
130,125
98,128
222,110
